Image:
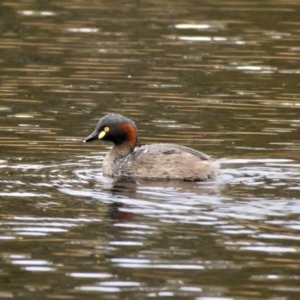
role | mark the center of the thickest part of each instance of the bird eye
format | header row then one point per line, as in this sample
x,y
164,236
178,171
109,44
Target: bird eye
x,y
106,129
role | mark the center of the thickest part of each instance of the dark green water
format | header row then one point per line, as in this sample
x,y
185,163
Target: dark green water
x,y
219,76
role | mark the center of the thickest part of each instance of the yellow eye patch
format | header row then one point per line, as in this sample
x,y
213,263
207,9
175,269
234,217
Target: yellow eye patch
x,y
103,133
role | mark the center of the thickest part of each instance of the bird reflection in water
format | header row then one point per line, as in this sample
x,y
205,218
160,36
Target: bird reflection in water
x,y
117,209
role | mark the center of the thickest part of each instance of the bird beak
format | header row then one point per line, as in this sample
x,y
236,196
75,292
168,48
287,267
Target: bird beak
x,y
93,136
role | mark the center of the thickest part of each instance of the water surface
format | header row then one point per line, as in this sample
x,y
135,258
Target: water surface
x,y
221,77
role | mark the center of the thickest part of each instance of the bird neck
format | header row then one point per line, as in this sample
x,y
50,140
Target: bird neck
x,y
119,151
